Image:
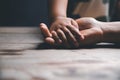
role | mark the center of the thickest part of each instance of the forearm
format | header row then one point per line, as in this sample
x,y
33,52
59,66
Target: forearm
x,y
57,8
111,32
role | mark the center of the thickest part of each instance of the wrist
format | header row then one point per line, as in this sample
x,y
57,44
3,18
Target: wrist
x,y
54,18
106,32
58,17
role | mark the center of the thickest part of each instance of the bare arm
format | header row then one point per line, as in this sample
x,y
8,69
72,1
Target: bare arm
x,y
111,32
57,8
93,31
59,22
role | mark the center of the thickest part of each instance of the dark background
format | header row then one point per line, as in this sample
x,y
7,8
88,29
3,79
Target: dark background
x,y
33,12
23,12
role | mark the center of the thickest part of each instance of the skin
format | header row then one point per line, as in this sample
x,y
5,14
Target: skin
x,y
60,24
93,31
72,33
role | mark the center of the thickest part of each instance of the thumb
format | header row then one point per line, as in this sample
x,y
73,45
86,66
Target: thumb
x,y
74,23
82,23
79,21
44,29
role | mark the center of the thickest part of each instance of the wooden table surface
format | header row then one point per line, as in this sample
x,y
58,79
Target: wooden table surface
x,y
23,56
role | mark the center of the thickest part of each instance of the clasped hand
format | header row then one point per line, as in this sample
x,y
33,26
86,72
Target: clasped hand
x,y
73,33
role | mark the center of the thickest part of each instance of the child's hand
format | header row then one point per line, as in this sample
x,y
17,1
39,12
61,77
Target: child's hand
x,y
60,22
65,31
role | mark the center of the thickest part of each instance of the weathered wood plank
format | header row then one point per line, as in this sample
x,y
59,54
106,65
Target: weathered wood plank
x,y
62,64
20,38
56,56
19,30
19,41
19,59
100,72
17,46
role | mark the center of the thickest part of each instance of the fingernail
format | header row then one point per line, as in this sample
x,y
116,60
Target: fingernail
x,y
42,24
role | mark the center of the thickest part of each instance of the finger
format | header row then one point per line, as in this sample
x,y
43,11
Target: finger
x,y
45,31
84,23
50,40
56,38
55,27
80,23
63,38
70,37
74,23
76,33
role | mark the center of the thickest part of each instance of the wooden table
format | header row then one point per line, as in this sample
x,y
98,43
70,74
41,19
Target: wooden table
x,y
24,57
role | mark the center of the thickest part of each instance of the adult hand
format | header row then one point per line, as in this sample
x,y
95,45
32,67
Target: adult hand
x,y
46,33
91,29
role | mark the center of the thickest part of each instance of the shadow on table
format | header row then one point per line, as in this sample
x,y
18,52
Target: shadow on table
x,y
100,45
46,46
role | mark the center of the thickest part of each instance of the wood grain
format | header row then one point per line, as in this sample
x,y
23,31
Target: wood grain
x,y
19,30
19,38
21,60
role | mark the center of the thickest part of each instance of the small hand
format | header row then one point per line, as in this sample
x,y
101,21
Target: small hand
x,y
65,31
50,38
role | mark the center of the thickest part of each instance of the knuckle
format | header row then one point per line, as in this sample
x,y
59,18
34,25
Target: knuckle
x,y
58,31
66,31
53,32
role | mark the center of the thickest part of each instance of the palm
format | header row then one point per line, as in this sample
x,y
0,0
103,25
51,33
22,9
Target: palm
x,y
91,30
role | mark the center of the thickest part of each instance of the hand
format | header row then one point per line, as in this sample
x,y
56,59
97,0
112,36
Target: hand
x,y
65,31
60,22
91,29
46,33
48,36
